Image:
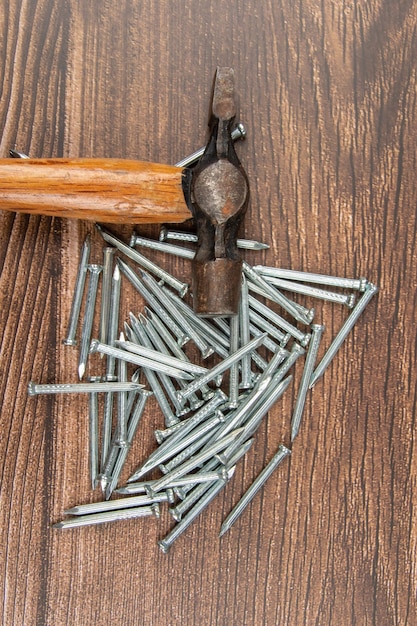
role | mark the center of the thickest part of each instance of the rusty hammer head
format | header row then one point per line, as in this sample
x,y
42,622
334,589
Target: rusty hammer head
x,y
217,192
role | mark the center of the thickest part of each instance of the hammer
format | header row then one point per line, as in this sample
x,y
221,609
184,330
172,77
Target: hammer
x,y
215,193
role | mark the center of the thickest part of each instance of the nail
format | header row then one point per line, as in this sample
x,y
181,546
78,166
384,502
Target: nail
x,y
369,292
246,244
115,505
320,279
18,155
106,428
161,336
246,373
88,318
141,260
205,500
121,426
277,320
168,248
133,422
171,361
305,378
253,419
180,434
153,303
254,488
125,355
201,325
170,418
266,326
190,495
220,368
186,480
237,133
140,335
113,328
94,387
172,309
237,417
234,368
181,443
307,290
93,433
186,453
274,294
78,293
110,516
195,461
106,293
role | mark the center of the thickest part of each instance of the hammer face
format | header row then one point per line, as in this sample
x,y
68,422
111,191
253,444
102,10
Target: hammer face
x,y
219,195
216,287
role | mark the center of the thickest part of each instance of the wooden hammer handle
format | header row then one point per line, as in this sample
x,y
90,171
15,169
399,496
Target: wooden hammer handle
x,y
101,190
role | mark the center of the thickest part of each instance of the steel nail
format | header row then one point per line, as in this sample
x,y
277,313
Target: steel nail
x,y
93,432
113,327
196,460
141,332
116,505
106,290
279,321
132,426
94,387
237,133
150,353
179,528
246,373
161,246
171,235
88,318
186,480
78,293
358,284
274,294
130,357
363,301
307,290
153,303
110,516
254,418
141,260
234,368
220,368
254,488
172,309
317,331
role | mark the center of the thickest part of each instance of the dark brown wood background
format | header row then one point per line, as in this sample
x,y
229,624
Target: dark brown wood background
x,y
328,94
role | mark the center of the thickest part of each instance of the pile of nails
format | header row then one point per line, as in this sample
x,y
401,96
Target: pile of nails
x,y
211,414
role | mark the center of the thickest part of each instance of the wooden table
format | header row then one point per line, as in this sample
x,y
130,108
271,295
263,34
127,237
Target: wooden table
x,y
328,96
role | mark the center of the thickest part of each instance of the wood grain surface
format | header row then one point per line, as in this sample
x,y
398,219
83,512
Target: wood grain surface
x,y
328,95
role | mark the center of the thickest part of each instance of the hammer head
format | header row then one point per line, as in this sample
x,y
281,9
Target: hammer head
x,y
217,192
